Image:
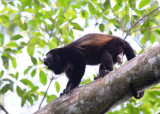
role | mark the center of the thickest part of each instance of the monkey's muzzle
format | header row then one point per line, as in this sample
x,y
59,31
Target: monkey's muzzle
x,y
46,62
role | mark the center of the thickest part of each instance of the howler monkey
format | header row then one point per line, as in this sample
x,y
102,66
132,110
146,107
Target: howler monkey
x,y
91,49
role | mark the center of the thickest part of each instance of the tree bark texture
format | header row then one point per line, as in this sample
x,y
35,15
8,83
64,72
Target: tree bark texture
x,y
103,94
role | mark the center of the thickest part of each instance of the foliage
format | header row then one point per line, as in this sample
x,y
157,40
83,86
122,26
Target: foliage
x,y
29,28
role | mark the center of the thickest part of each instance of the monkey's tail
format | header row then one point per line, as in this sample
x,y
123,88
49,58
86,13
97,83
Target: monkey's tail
x,y
128,50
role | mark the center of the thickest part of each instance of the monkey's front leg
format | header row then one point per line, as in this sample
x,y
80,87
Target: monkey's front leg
x,y
106,64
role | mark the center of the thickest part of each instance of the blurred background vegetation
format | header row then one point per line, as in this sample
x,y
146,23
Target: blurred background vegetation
x,y
30,28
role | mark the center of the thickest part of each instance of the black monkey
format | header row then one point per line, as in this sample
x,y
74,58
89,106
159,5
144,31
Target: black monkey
x,y
91,49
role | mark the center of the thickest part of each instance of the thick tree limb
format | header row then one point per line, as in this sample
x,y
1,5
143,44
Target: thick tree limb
x,y
104,94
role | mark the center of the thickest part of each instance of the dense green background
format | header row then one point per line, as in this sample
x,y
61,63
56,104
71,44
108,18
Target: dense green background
x,y
30,28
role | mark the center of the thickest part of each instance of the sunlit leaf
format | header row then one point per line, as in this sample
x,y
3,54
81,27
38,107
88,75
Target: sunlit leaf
x,y
1,74
14,63
33,73
144,3
34,60
132,3
119,2
91,8
64,3
5,62
152,39
16,75
85,14
101,27
43,77
116,7
30,50
76,26
12,44
27,82
19,91
7,87
51,98
57,87
1,39
27,69
106,5
16,37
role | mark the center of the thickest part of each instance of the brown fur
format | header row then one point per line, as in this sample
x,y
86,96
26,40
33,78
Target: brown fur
x,y
99,40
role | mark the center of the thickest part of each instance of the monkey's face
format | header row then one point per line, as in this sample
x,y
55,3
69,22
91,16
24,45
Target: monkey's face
x,y
54,62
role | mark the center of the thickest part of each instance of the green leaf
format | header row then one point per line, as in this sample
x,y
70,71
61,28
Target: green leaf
x,y
27,69
19,91
91,9
85,14
1,74
152,39
26,3
144,3
14,63
12,75
33,73
34,60
6,88
116,7
30,50
132,4
27,82
76,26
146,37
12,44
64,3
8,10
5,62
106,5
24,26
114,22
101,27
52,44
16,37
57,87
119,2
1,39
51,98
16,75
43,77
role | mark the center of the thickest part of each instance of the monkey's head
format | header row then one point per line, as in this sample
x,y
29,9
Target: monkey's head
x,y
55,61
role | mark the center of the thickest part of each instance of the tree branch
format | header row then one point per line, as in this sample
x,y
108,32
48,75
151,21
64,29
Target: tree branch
x,y
141,18
2,107
46,92
102,95
148,28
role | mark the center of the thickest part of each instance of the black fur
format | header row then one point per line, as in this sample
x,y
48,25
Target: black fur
x,y
91,49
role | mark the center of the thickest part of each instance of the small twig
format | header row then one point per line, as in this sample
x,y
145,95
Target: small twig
x,y
126,12
151,16
148,28
126,19
46,92
141,18
139,44
2,107
116,17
